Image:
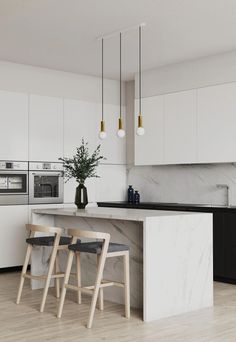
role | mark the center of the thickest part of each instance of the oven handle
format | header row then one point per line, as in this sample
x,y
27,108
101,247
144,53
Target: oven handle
x,y
59,174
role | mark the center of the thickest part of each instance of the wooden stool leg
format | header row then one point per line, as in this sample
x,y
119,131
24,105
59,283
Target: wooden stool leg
x,y
96,290
100,296
57,280
23,272
127,284
66,280
48,279
78,273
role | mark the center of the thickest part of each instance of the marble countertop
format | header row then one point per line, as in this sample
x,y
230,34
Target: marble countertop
x,y
110,213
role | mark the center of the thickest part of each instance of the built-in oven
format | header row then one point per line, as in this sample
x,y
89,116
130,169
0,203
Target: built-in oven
x,y
46,183
13,182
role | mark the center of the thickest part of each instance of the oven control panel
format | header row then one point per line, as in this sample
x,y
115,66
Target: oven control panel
x,y
13,165
45,166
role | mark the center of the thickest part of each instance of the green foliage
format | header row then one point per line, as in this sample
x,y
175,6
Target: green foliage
x,y
82,165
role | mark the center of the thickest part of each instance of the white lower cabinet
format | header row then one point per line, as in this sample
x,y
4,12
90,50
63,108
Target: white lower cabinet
x,y
13,235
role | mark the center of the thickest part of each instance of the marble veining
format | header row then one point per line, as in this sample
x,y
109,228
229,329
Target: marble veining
x,y
170,256
184,183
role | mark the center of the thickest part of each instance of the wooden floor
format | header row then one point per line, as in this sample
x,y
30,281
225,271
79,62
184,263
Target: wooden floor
x,y
25,323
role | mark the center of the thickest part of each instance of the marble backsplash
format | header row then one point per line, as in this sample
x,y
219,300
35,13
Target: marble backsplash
x,y
185,183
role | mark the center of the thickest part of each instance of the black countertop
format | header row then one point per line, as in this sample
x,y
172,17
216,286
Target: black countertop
x,y
170,206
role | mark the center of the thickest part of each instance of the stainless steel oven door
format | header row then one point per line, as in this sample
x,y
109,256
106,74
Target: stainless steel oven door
x,y
45,187
13,187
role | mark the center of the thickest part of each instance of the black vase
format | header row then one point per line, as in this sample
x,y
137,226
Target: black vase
x,y
81,196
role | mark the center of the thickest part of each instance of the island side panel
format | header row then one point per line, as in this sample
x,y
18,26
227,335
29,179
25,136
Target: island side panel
x,y
40,256
178,265
126,232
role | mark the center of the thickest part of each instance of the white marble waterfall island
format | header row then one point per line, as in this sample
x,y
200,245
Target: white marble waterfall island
x,y
171,255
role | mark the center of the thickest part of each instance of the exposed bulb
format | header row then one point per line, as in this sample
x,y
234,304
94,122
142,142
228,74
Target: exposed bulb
x,y
140,131
121,133
102,134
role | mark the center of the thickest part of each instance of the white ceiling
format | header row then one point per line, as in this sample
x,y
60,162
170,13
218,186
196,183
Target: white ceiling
x,y
61,34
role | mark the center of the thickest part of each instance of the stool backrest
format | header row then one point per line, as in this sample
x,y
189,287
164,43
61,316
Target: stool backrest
x,y
34,228
88,234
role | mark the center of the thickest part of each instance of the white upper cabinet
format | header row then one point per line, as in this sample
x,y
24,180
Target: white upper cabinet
x,y
45,128
193,126
81,120
149,147
180,127
14,126
217,123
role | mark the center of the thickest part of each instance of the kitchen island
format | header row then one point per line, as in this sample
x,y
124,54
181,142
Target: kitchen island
x,y
171,261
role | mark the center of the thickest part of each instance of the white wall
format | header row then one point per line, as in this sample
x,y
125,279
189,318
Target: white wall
x,y
41,81
188,75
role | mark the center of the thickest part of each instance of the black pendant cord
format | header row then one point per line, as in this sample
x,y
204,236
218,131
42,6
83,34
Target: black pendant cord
x,y
120,79
102,81
140,62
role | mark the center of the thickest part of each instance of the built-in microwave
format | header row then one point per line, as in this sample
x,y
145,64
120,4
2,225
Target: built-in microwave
x,y
46,184
13,182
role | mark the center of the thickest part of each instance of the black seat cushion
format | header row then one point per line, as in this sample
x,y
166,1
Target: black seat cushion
x,y
96,247
48,240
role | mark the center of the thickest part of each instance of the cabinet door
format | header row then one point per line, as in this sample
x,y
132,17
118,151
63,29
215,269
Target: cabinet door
x,y
80,121
216,123
111,188
45,128
149,147
180,127
13,235
219,244
229,241
14,126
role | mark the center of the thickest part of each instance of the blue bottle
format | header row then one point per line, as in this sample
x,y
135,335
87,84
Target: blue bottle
x,y
136,197
130,194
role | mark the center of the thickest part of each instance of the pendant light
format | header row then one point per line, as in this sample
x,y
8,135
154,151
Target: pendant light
x,y
121,131
140,129
102,133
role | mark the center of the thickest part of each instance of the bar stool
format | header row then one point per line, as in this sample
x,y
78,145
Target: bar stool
x,y
57,242
103,249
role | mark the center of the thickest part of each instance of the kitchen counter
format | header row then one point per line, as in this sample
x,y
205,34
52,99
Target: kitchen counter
x,y
224,232
108,213
209,208
170,255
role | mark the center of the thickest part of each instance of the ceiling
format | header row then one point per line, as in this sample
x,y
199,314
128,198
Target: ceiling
x,y
61,34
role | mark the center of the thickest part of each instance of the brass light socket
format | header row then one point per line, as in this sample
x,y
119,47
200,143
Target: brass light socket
x,y
102,126
140,121
120,123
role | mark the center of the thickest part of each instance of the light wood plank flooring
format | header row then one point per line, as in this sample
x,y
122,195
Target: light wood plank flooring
x,y
25,323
